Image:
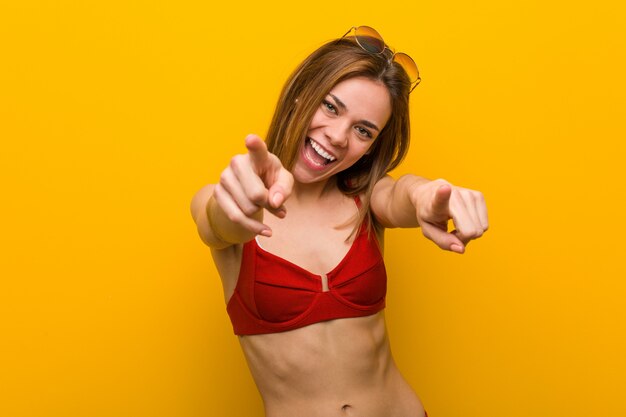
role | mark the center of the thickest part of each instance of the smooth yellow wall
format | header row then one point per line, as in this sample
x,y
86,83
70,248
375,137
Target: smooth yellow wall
x,y
112,115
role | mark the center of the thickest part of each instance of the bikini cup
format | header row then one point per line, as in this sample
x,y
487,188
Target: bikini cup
x,y
274,295
283,291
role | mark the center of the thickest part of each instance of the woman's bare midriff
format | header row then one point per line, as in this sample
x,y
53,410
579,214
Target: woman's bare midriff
x,y
340,368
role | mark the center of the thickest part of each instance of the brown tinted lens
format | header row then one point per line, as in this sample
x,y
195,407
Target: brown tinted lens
x,y
408,64
369,39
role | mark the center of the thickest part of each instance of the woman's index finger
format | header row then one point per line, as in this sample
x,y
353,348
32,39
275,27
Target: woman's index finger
x,y
257,149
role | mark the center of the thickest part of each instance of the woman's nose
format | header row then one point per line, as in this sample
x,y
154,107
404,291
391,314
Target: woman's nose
x,y
337,134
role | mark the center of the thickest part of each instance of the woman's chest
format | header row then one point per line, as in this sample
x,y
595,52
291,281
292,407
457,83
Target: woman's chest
x,y
313,246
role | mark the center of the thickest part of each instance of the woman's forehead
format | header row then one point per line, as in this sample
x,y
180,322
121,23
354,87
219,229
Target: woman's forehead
x,y
365,98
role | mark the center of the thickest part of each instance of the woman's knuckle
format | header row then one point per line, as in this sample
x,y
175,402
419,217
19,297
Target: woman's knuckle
x,y
250,209
224,176
236,161
465,233
235,217
257,196
290,179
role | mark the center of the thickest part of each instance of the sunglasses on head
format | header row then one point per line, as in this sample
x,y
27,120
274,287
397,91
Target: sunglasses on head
x,y
371,41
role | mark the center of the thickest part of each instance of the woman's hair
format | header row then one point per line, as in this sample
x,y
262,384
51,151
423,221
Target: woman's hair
x,y
306,88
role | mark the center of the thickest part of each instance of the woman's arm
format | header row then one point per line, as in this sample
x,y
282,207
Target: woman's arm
x,y
214,227
392,201
413,201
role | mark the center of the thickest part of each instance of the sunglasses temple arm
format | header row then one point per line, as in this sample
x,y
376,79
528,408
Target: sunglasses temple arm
x,y
416,84
349,30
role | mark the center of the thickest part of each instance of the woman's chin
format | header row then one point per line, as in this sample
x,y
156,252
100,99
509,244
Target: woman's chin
x,y
303,175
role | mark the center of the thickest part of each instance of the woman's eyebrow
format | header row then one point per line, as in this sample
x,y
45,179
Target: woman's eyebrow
x,y
344,108
339,102
369,124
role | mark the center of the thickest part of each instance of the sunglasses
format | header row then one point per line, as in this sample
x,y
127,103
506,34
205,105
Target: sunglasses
x,y
371,41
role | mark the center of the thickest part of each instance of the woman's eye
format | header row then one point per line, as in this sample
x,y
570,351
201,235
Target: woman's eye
x,y
329,107
364,132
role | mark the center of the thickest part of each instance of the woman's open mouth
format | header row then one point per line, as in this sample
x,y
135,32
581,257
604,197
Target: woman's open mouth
x,y
316,156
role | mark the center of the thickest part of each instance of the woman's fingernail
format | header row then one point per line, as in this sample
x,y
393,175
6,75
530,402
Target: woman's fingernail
x,y
276,200
266,233
457,248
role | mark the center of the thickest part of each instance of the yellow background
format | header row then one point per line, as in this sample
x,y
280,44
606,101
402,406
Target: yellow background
x,y
112,115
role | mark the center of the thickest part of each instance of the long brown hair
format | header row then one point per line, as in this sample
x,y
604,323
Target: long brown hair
x,y
309,84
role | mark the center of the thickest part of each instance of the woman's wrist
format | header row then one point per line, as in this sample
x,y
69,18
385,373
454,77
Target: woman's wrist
x,y
211,213
225,231
414,187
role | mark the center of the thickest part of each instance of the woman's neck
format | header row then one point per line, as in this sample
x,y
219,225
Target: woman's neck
x,y
314,191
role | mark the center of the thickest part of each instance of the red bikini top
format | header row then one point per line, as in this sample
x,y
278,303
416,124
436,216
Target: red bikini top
x,y
274,295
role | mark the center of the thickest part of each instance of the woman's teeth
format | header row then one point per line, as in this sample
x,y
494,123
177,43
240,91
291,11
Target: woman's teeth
x,y
320,151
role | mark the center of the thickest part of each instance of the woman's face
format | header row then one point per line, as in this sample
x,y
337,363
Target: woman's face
x,y
343,129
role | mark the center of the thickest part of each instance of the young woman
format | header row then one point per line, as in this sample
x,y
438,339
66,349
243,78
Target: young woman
x,y
296,229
